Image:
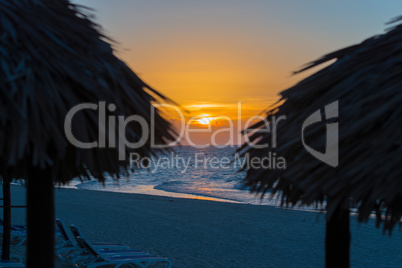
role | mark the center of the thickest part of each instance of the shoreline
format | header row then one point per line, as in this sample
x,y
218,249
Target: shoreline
x,y
203,233
150,190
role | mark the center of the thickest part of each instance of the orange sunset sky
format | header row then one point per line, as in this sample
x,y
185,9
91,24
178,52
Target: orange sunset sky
x,y
209,55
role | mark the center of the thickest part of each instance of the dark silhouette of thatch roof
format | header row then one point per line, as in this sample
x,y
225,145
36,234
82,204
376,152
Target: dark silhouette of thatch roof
x,y
366,79
53,57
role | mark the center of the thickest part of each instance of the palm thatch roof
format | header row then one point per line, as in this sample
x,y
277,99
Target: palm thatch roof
x,y
53,57
366,79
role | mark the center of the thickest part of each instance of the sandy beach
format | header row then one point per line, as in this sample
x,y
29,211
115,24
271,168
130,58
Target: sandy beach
x,y
200,233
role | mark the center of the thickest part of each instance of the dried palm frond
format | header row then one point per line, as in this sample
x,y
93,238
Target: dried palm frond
x,y
366,79
53,57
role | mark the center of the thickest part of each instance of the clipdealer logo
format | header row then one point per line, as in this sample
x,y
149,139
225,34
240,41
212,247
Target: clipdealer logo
x,y
112,129
331,154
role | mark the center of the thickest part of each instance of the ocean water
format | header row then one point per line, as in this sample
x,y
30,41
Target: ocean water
x,y
206,173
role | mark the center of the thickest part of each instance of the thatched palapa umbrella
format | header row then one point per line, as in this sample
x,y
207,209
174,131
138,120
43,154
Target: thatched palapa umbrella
x,y
52,58
362,91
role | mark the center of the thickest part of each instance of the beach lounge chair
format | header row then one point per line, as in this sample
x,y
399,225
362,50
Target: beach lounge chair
x,y
115,260
66,249
17,237
10,264
15,227
15,261
19,234
98,245
107,248
20,228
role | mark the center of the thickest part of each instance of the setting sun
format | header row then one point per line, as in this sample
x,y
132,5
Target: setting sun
x,y
205,120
